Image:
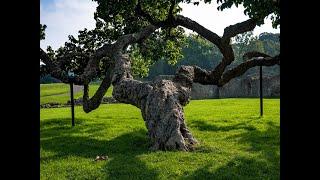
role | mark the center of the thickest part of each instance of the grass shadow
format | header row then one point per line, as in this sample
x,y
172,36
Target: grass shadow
x,y
262,144
237,168
60,122
82,141
266,142
205,126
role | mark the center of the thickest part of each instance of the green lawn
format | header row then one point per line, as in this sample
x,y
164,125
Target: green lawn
x,y
234,143
60,92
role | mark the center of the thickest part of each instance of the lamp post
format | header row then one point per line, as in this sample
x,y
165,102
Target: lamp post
x,y
260,89
261,92
71,79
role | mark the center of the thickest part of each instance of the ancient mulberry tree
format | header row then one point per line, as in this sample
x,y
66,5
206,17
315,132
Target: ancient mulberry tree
x,y
142,31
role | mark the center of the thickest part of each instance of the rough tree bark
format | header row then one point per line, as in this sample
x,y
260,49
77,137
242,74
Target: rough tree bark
x,y
161,103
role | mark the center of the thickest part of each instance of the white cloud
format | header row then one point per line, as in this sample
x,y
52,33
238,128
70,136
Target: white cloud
x,y
208,16
65,18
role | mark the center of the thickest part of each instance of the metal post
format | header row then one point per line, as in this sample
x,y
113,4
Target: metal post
x,y
261,95
72,102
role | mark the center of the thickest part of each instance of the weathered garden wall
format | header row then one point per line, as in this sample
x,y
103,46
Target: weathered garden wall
x,y
238,87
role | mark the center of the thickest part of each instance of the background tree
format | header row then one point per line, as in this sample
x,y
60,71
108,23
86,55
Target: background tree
x,y
197,51
200,52
150,29
241,45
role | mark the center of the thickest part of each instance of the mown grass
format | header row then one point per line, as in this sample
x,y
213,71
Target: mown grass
x,y
60,92
53,89
235,143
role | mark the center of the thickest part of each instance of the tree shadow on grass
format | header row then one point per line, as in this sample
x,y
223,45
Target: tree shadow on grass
x,y
122,150
237,168
266,142
264,164
61,122
205,126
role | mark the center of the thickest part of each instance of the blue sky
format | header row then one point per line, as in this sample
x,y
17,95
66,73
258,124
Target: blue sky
x,y
67,17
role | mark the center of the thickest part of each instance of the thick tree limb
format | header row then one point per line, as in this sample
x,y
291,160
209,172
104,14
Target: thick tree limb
x,y
125,40
186,22
170,12
90,70
111,50
239,28
95,101
228,58
253,54
194,26
195,74
226,50
107,50
116,72
223,43
242,68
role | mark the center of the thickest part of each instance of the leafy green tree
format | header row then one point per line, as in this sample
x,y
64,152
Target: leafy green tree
x,y
197,51
132,31
242,44
201,52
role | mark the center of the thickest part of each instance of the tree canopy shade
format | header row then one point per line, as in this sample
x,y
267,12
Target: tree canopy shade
x,y
143,31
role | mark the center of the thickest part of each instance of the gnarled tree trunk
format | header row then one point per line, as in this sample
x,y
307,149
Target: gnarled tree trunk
x,y
161,103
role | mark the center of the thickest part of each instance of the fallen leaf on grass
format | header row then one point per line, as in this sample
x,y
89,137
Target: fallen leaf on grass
x,y
101,158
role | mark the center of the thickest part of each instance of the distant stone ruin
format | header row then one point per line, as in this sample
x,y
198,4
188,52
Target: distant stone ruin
x,y
238,87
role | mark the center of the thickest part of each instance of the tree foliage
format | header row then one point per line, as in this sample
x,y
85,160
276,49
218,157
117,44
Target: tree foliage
x,y
256,9
242,44
117,19
42,31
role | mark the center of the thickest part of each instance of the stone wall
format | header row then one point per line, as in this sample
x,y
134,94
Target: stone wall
x,y
250,87
238,87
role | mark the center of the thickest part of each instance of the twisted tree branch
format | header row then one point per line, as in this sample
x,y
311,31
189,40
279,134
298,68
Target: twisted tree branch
x,y
194,26
239,28
243,67
113,71
252,54
95,101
